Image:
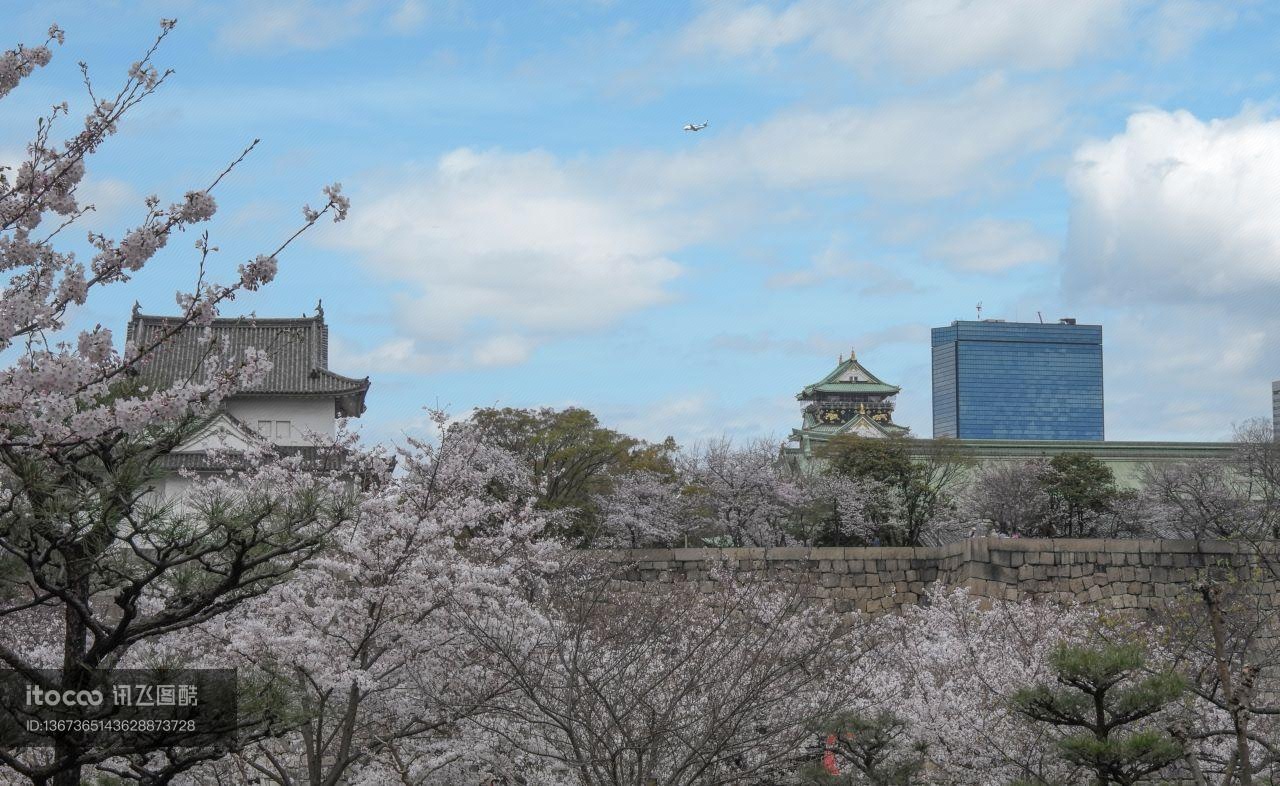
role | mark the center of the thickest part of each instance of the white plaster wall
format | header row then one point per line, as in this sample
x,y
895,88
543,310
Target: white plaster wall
x,y
219,435
170,488
303,414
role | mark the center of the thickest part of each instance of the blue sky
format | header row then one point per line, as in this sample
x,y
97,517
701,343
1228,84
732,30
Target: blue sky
x,y
530,226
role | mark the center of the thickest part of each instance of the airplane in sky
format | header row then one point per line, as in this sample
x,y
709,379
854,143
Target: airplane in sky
x,y
695,126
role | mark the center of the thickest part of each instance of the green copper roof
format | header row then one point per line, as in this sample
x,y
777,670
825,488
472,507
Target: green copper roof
x,y
848,377
825,431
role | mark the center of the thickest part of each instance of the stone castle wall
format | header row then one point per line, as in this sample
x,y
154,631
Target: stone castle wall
x,y
1118,573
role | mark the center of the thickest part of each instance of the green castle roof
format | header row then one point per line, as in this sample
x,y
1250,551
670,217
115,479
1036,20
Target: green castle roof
x,y
848,377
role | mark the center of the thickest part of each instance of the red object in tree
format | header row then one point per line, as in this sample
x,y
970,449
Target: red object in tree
x,y
829,756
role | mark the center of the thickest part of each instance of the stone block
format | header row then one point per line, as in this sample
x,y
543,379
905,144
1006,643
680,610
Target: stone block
x,y
779,553
1121,546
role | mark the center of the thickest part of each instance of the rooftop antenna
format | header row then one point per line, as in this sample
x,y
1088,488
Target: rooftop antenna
x,y
979,310
1041,317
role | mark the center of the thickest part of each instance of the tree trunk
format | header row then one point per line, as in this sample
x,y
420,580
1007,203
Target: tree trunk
x,y
75,674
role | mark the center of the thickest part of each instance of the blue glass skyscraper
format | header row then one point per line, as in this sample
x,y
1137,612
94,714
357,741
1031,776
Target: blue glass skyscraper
x,y
1017,380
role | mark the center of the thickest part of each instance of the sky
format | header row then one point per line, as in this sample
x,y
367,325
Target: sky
x,y
531,226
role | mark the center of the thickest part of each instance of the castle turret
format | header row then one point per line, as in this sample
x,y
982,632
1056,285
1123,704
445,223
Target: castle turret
x,y
849,400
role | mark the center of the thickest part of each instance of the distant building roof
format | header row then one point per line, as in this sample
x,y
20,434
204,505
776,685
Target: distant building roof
x,y
298,349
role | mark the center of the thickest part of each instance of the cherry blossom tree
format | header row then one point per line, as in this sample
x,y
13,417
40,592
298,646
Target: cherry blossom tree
x,y
942,676
742,492
948,668
714,682
642,510
1220,635
1009,495
915,485
366,638
1257,460
838,510
1198,500
84,551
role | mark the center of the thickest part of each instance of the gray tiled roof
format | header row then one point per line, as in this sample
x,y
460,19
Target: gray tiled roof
x,y
312,457
298,348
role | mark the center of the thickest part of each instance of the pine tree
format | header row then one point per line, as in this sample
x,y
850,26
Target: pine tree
x,y
1102,695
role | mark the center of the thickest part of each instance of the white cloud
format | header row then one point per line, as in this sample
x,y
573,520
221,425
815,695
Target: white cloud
x,y
1177,24
991,245
1178,372
921,37
114,202
506,350
495,252
1173,223
314,24
834,264
914,148
402,355
1177,209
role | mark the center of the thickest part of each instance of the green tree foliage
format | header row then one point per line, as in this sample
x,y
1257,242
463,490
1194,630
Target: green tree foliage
x,y
1102,694
1070,495
1082,492
572,457
883,460
914,483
